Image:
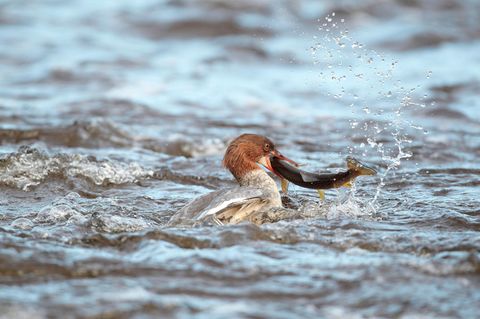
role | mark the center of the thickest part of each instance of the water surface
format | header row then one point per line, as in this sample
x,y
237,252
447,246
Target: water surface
x,y
114,115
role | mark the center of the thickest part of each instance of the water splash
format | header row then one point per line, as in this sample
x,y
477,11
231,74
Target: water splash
x,y
364,80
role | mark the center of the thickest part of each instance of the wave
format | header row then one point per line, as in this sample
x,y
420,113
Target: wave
x,y
102,133
29,167
79,134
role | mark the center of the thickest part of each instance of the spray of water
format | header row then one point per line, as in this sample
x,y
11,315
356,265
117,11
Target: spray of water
x,y
364,80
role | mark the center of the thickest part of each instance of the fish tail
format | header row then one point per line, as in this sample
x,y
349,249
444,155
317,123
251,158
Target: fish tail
x,y
359,168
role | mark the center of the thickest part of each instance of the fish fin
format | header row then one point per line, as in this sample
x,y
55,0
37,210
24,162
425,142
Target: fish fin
x,y
284,186
357,166
347,184
321,194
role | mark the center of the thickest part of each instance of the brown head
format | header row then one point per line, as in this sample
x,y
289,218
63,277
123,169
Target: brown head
x,y
247,151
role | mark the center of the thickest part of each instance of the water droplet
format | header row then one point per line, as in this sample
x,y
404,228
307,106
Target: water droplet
x,y
371,142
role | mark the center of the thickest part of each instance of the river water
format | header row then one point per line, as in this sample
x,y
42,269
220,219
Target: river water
x,y
115,114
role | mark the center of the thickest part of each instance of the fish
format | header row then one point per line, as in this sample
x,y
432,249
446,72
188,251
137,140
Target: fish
x,y
320,182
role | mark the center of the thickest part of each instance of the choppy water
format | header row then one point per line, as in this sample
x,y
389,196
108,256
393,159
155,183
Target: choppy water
x,y
116,114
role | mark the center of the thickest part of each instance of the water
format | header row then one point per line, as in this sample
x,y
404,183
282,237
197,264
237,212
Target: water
x,y
115,115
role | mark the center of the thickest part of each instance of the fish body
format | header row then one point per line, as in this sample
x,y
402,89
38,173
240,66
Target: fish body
x,y
320,181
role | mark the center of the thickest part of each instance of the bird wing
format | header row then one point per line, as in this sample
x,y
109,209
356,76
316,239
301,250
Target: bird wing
x,y
234,200
232,205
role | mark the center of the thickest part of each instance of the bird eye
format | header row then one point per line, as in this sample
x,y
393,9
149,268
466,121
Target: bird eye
x,y
266,147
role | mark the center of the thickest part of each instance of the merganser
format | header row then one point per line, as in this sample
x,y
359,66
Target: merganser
x,y
257,191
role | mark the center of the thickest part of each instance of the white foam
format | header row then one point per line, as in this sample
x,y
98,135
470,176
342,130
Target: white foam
x,y
117,224
30,167
54,214
22,223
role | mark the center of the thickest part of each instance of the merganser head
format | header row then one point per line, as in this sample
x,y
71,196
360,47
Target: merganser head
x,y
247,151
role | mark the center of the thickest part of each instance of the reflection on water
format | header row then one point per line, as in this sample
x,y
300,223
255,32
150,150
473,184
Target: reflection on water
x,y
115,115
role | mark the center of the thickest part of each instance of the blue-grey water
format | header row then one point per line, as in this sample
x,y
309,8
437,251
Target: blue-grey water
x,y
115,114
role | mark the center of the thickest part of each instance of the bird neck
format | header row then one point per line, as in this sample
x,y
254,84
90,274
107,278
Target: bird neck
x,y
258,178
